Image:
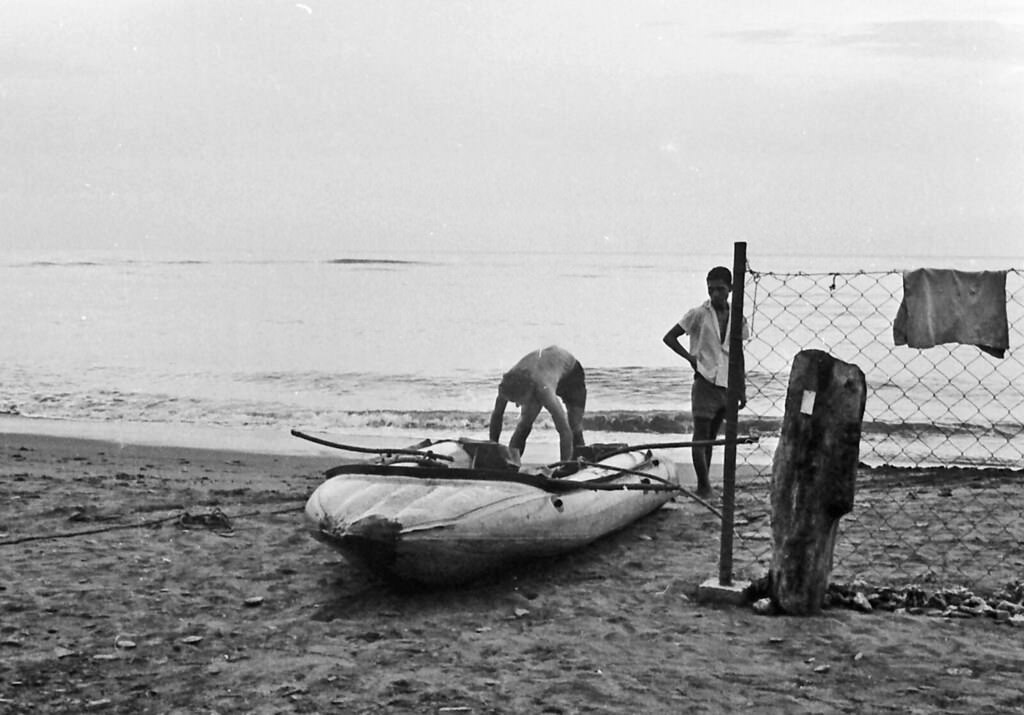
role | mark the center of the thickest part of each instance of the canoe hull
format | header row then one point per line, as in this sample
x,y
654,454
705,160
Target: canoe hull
x,y
438,531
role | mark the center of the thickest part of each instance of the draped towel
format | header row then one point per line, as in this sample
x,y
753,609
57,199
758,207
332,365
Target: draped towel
x,y
947,306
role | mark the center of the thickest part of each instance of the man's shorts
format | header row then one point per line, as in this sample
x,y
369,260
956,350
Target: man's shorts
x,y
708,399
573,387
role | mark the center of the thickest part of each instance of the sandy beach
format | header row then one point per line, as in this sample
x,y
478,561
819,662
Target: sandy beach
x,y
171,579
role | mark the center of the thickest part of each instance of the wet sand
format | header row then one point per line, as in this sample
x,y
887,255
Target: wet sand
x,y
169,579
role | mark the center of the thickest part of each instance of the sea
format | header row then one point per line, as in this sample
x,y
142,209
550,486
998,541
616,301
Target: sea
x,y
373,347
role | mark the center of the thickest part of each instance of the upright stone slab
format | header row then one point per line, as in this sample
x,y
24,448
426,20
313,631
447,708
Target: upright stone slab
x,y
813,476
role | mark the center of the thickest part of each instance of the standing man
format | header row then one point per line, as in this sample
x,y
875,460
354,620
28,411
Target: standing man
x,y
708,328
538,380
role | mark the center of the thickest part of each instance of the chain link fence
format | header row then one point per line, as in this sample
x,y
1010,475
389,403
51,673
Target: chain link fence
x,y
940,491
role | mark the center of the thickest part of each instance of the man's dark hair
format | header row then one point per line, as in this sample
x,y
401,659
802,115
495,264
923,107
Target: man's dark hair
x,y
515,385
720,273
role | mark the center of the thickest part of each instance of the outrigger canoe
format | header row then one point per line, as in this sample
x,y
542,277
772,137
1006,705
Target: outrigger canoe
x,y
443,513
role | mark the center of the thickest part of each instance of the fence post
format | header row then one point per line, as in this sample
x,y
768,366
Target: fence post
x,y
734,392
724,590
813,476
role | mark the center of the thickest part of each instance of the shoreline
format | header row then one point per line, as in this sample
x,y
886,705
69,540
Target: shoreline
x,y
542,448
159,434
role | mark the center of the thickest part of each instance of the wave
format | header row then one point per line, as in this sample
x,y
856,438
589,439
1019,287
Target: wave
x,y
373,261
645,422
114,405
131,262
57,264
79,263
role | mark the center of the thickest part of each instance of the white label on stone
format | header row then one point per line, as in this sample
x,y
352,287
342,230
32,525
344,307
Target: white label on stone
x,y
807,403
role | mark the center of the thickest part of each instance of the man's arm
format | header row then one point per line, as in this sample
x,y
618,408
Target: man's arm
x,y
743,375
744,335
672,340
497,415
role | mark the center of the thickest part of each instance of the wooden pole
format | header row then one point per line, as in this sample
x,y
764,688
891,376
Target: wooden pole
x,y
813,475
733,394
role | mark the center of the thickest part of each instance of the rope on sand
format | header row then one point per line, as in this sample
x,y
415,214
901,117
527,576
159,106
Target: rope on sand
x,y
216,520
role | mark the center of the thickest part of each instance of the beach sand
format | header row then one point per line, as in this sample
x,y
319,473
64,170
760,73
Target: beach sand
x,y
165,607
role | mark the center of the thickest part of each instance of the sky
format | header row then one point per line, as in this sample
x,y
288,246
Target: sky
x,y
329,128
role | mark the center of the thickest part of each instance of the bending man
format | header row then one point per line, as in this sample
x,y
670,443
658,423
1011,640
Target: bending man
x,y
538,380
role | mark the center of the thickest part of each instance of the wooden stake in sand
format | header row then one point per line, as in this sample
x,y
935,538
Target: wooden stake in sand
x,y
813,475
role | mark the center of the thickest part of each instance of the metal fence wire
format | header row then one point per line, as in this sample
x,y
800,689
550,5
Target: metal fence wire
x,y
940,491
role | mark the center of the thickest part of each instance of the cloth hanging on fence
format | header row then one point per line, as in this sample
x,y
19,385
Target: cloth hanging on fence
x,y
947,306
